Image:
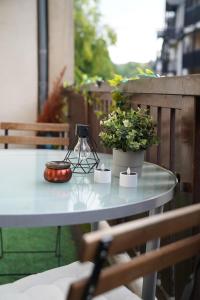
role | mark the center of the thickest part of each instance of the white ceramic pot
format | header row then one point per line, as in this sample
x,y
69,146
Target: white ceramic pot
x,y
123,160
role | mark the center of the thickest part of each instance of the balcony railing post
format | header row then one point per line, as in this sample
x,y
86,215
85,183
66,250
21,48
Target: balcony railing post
x,y
196,164
77,113
187,142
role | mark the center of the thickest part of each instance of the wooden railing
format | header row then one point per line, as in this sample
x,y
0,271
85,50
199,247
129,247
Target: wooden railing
x,y
174,103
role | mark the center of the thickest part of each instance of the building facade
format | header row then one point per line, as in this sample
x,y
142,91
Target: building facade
x,y
180,54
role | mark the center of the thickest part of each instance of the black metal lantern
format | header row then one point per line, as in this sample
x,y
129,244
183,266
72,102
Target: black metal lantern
x,y
83,158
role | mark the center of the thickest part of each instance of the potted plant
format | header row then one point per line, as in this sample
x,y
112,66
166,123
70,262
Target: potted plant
x,y
129,133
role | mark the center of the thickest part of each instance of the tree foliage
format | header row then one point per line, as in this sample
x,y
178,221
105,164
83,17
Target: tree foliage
x,y
130,69
92,40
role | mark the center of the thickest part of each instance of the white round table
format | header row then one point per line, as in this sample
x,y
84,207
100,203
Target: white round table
x,y
27,200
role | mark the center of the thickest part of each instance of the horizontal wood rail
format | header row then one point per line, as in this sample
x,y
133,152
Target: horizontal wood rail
x,y
179,85
164,101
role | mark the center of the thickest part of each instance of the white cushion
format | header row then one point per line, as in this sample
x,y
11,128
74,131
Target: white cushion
x,y
54,285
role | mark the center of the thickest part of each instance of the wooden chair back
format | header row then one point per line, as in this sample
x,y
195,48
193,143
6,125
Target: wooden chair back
x,y
125,236
36,134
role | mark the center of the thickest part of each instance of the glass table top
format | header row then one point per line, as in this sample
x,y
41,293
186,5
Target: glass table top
x,y
24,192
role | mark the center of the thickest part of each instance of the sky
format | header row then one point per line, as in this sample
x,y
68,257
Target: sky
x,y
136,23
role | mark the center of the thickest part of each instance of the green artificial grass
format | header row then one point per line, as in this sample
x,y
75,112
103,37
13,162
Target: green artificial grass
x,y
34,239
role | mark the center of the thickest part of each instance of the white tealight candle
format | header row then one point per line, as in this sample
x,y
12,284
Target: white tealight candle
x,y
102,175
128,179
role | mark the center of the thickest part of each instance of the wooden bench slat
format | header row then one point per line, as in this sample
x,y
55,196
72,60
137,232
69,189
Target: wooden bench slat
x,y
34,140
35,126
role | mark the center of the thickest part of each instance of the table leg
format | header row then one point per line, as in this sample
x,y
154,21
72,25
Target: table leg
x,y
1,243
149,284
58,245
94,226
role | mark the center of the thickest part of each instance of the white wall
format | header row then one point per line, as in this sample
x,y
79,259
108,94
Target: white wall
x,y
61,39
18,60
19,57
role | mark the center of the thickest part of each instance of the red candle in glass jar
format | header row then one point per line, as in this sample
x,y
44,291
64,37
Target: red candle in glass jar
x,y
57,171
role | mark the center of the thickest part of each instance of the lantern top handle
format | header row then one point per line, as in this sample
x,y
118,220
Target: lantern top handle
x,y
82,130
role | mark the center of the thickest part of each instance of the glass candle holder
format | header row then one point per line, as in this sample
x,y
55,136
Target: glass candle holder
x,y
57,171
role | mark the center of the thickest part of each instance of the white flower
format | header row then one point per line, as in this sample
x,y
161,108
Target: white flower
x,y
126,123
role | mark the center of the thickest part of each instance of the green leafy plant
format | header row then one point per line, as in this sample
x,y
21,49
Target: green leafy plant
x,y
119,98
83,87
131,130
